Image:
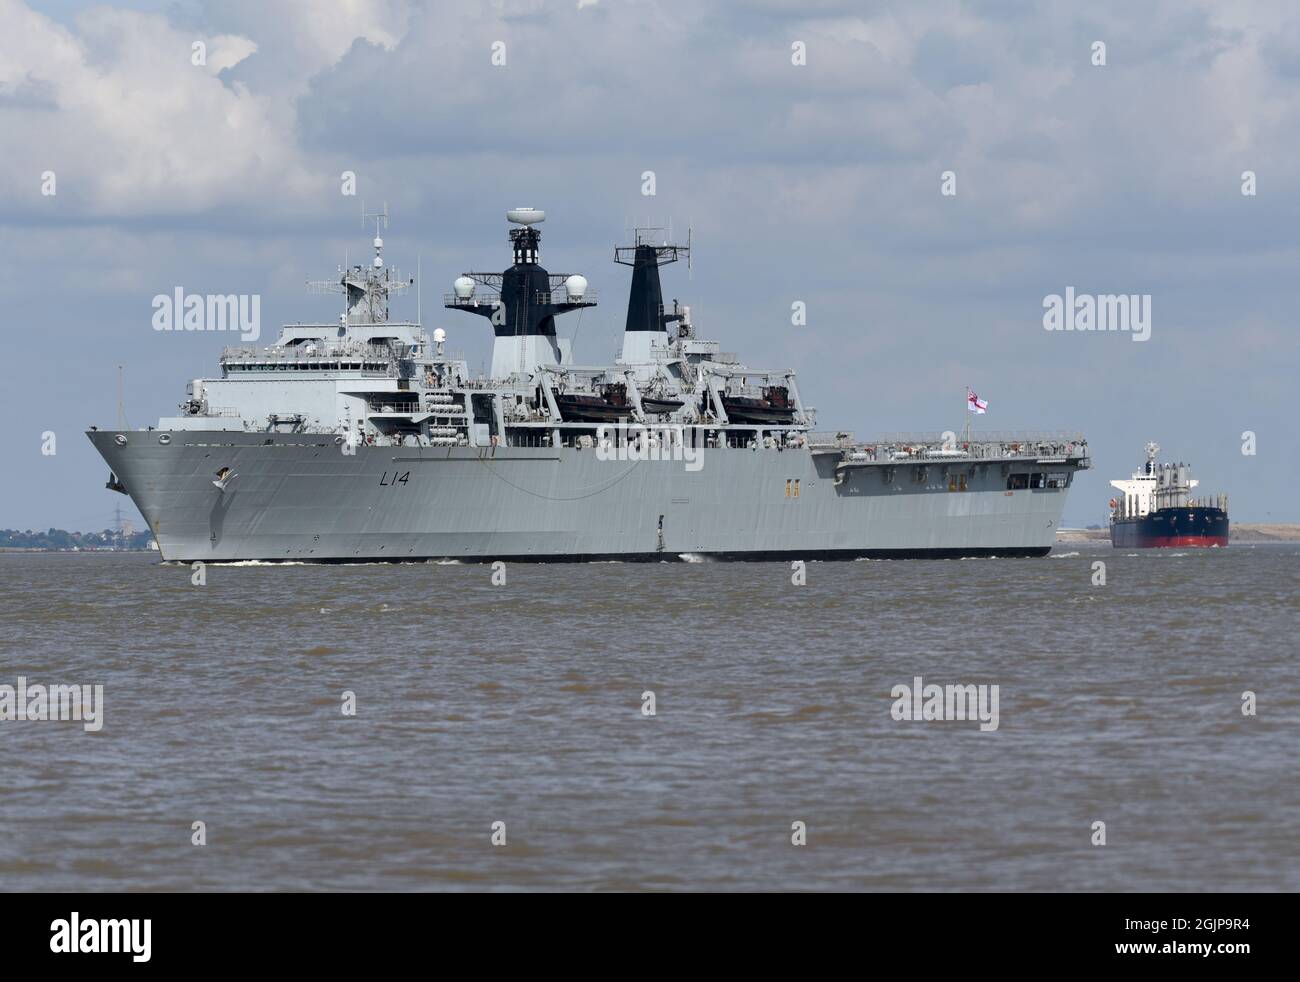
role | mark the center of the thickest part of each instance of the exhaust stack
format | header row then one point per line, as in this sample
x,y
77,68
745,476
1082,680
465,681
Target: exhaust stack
x,y
646,327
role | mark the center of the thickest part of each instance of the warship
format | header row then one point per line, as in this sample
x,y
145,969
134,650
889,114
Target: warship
x,y
1155,510
366,439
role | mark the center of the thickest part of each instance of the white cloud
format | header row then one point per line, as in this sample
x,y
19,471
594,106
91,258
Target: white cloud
x,y
227,51
131,127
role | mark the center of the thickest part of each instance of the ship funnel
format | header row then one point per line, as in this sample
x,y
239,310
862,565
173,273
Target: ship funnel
x,y
645,302
646,325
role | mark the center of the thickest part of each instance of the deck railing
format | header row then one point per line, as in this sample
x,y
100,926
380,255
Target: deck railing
x,y
936,446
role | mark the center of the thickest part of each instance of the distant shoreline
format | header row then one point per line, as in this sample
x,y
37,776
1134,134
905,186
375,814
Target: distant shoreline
x,y
124,539
16,550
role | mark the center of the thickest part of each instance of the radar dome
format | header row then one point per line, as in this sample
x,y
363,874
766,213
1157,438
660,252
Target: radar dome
x,y
575,286
464,287
525,216
439,335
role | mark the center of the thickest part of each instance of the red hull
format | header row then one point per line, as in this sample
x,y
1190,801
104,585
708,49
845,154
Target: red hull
x,y
1183,542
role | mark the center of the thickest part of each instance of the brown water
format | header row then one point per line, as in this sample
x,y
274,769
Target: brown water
x,y
522,704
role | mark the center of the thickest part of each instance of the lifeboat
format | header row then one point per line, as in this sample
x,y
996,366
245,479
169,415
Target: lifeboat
x,y
608,405
773,407
660,404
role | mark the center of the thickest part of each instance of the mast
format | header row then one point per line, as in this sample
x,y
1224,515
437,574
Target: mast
x,y
366,290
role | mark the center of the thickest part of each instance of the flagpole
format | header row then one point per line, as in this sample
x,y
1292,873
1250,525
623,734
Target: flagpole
x,y
966,408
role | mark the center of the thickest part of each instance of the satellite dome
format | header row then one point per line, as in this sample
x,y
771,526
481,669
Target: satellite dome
x,y
464,287
525,216
575,286
439,335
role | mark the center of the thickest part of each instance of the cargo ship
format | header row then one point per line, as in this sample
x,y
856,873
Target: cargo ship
x,y
1155,510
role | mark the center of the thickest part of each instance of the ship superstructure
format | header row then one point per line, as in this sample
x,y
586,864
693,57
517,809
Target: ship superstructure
x,y
1155,509
366,439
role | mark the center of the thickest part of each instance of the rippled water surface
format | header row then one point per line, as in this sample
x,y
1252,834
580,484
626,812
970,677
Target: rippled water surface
x,y
522,704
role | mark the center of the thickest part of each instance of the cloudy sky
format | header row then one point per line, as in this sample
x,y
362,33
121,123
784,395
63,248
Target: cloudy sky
x,y
817,182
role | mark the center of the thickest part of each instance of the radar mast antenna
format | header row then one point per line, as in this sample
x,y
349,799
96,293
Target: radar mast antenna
x,y
366,290
1153,449
380,218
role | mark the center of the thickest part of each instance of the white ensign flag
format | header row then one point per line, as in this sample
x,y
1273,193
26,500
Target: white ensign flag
x,y
974,403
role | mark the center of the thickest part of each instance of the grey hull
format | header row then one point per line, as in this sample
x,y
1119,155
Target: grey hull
x,y
299,497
